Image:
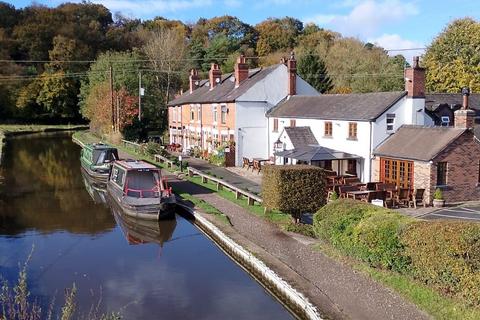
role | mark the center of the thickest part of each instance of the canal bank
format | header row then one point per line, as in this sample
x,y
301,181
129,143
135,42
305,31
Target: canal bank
x,y
335,288
10,130
171,271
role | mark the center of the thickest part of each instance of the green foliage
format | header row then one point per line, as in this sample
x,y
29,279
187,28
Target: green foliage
x,y
277,34
438,195
453,58
151,149
293,189
136,131
367,232
301,228
334,196
312,69
446,255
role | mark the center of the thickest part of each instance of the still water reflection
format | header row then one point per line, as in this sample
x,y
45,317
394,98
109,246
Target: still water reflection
x,y
146,271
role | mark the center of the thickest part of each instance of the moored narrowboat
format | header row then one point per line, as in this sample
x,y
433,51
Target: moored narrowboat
x,y
139,189
96,159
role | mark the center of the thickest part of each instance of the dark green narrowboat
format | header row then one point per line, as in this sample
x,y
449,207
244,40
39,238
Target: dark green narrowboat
x,y
97,159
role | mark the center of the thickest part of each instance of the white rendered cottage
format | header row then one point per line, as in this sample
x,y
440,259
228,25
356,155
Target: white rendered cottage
x,y
349,124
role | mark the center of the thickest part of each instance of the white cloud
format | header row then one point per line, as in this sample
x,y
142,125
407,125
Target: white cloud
x,y
395,41
367,17
152,7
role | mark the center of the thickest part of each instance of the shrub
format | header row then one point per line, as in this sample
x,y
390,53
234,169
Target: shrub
x,y
336,222
151,149
301,228
334,196
377,240
446,255
438,195
293,189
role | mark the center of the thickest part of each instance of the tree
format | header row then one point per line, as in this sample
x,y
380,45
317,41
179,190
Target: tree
x,y
453,58
312,69
277,34
58,95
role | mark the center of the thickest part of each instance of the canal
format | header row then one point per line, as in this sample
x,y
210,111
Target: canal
x,y
166,270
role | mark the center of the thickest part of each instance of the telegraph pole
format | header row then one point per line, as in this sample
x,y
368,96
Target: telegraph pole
x,y
139,95
111,97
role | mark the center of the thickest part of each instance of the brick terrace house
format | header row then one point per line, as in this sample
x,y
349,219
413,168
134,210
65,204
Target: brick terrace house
x,y
350,124
232,107
434,157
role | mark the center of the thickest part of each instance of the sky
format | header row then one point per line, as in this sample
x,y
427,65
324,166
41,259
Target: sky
x,y
392,24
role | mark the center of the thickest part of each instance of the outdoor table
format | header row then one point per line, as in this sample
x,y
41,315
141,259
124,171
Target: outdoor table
x,y
359,194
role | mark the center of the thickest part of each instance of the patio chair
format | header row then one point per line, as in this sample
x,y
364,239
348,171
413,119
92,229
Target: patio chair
x,y
403,196
247,163
257,166
417,196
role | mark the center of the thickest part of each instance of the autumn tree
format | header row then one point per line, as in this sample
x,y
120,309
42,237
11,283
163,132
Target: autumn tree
x,y
453,58
277,34
312,69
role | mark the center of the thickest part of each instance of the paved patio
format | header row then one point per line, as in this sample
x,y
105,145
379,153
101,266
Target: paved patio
x,y
465,213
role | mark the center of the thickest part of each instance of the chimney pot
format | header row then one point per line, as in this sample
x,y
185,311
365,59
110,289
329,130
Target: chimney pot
x,y
465,94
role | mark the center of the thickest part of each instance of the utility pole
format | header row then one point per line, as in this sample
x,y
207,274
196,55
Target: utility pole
x,y
118,114
140,95
111,97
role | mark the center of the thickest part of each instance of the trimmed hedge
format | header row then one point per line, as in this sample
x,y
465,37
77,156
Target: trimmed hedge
x,y
446,255
293,189
442,254
369,233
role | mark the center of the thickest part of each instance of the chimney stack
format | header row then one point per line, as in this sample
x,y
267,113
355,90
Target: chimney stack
x,y
465,117
214,75
194,80
292,75
241,70
415,80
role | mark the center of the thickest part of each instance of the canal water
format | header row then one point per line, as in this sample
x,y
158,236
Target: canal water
x,y
168,270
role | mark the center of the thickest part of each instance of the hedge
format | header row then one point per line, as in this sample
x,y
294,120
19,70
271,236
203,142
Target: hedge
x,y
442,254
367,232
446,255
293,189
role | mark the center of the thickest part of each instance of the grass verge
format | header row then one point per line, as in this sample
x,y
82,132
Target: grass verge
x,y
427,299
276,217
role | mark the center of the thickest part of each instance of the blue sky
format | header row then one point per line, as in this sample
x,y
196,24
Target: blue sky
x,y
392,24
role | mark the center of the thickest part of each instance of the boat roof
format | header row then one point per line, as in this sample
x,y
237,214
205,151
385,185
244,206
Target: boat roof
x,y
130,164
99,146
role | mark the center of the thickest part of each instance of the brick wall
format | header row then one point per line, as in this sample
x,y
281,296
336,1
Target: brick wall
x,y
463,158
422,178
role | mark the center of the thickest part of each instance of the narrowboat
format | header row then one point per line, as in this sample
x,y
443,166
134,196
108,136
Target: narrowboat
x,y
139,189
138,231
97,159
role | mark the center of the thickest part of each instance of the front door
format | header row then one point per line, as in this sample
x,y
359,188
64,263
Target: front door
x,y
396,171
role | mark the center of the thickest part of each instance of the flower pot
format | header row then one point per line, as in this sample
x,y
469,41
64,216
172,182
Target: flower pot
x,y
438,203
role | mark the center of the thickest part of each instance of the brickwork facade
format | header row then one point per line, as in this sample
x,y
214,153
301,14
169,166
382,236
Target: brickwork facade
x,y
463,163
422,178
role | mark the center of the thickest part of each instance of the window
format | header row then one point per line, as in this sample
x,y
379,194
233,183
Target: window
x,y
192,113
445,121
174,114
179,114
275,125
293,123
224,114
399,172
390,121
199,112
442,173
352,166
215,114
352,130
328,129
118,175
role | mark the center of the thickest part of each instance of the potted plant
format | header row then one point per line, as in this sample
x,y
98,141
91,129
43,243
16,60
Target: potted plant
x,y
438,201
